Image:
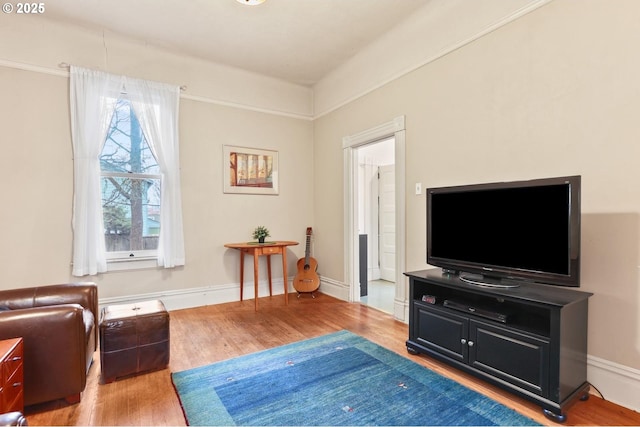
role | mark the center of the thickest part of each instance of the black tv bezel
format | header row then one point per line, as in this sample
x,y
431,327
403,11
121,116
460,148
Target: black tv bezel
x,y
511,273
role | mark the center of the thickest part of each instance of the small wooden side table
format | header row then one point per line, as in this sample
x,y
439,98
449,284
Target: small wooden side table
x,y
11,375
268,249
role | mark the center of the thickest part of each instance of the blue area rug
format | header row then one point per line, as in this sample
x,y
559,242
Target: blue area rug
x,y
336,379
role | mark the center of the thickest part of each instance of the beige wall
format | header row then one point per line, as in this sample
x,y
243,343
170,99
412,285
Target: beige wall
x,y
36,167
36,172
554,93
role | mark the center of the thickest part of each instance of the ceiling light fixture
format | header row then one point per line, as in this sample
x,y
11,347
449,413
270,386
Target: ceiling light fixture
x,y
251,2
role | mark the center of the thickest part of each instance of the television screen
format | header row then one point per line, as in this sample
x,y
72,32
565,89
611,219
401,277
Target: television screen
x,y
525,230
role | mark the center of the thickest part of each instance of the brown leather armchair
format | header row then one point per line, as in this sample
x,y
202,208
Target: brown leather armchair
x,y
58,324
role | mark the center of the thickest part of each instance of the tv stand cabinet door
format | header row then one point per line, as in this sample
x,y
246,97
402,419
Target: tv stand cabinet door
x,y
515,357
441,331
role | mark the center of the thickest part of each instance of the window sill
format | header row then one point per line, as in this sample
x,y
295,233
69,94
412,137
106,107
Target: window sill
x,y
125,264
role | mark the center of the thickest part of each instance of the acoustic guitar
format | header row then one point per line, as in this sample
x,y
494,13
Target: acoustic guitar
x,y
307,279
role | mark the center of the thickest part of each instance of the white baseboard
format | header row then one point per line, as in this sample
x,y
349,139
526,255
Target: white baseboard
x,y
401,310
219,294
618,383
334,288
197,297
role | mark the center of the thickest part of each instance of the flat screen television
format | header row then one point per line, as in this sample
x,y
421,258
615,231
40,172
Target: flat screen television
x,y
501,234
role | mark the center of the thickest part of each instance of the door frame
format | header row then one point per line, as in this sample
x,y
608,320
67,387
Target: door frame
x,y
392,129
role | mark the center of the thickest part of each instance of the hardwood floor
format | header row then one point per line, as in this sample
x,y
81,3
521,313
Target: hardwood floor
x,y
208,334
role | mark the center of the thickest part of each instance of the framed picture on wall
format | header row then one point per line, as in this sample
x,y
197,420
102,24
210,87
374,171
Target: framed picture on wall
x,y
250,170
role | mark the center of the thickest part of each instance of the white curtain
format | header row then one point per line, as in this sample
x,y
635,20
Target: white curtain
x,y
156,106
92,97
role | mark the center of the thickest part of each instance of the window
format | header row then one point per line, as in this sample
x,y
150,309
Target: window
x,y
127,200
130,187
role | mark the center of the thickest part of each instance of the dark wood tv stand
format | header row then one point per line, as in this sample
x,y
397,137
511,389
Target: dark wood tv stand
x,y
530,340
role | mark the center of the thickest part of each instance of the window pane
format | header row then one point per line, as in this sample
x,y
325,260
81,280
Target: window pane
x,y
131,204
131,209
126,149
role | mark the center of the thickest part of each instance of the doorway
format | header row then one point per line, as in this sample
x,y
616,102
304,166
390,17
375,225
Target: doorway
x,y
376,223
354,207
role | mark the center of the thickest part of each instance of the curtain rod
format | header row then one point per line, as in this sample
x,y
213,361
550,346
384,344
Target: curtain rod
x,y
67,66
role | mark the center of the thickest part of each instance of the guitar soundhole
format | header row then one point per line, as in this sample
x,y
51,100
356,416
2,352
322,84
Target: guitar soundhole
x,y
307,266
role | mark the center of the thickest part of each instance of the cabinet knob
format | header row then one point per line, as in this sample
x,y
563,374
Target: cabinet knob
x,y
463,341
470,343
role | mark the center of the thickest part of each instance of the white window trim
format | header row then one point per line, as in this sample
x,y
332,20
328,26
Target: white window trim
x,y
132,175
136,263
137,259
132,255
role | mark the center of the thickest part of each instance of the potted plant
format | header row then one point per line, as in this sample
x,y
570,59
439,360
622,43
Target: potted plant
x,y
260,233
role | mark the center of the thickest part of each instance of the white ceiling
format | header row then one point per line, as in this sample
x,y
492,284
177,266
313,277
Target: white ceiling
x,y
299,41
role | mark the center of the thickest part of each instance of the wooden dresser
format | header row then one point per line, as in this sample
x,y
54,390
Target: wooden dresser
x,y
11,375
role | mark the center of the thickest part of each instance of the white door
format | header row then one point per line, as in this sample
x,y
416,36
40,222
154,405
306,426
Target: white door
x,y
387,222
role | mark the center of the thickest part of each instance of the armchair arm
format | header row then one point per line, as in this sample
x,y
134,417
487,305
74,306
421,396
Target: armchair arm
x,y
54,348
84,293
